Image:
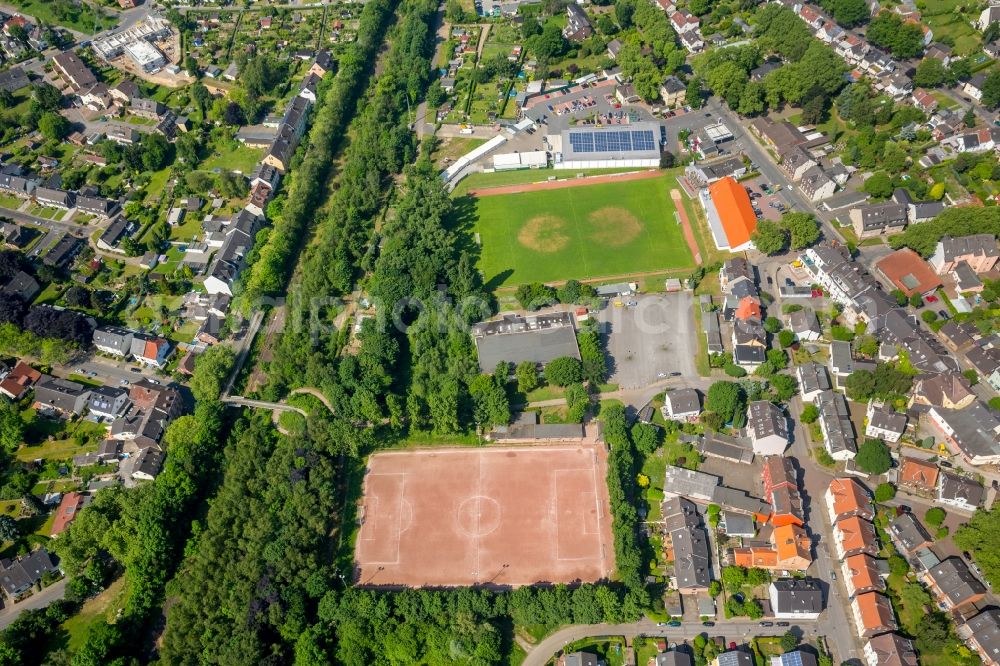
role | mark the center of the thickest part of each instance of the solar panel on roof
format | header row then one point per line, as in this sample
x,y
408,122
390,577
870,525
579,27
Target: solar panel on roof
x,y
612,141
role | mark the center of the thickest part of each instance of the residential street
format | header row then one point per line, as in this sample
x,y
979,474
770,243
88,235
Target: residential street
x,y
10,611
739,631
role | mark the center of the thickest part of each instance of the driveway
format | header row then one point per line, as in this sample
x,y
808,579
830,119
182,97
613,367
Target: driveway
x,y
650,340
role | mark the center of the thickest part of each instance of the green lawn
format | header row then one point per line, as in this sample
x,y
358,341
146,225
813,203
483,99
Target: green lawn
x,y
11,202
236,158
602,230
78,626
79,16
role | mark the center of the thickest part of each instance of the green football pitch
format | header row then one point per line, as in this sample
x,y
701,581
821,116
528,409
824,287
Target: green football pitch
x,y
602,230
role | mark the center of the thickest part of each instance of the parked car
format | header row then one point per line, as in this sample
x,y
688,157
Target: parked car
x,y
708,624
674,623
833,575
784,624
944,314
945,463
767,624
931,299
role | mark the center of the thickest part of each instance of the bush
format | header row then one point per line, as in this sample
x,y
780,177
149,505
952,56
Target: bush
x,y
935,516
734,370
810,413
564,371
885,492
824,458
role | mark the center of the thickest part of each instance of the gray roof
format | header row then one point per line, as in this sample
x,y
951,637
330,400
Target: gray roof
x,y
149,461
738,524
956,582
580,659
891,649
674,658
115,337
966,278
804,320
539,431
797,595
907,531
689,483
985,629
841,358
956,487
13,79
975,429
23,286
735,658
737,500
516,339
813,377
692,567
681,401
877,216
888,419
976,244
60,394
766,419
18,575
722,446
836,418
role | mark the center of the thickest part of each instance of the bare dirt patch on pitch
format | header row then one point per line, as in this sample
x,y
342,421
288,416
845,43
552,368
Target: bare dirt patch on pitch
x,y
614,226
505,516
543,233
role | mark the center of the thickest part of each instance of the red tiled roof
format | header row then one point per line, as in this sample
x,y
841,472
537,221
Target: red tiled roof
x,y
909,272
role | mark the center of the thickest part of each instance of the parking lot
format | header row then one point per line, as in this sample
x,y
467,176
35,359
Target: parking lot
x,y
769,205
649,340
596,103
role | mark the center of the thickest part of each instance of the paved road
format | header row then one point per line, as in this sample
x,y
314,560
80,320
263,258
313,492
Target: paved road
x,y
53,592
108,370
739,631
243,349
79,230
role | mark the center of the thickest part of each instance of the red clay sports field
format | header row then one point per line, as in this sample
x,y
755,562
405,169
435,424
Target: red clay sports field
x,y
498,515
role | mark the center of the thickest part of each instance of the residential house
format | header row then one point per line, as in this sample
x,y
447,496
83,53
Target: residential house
x,y
683,21
153,408
781,490
614,46
23,286
817,184
229,260
737,273
107,402
890,649
908,534
878,219
982,634
687,542
853,536
60,396
73,71
749,343
988,16
578,26
972,432
681,405
767,427
19,381
625,94
872,614
66,513
960,492
795,161
863,573
979,251
122,135
20,575
125,91
919,476
813,380
148,464
805,325
46,196
839,437
113,340
924,101
845,498
883,422
959,336
672,91
323,63
966,280
98,206
62,253
143,107
733,658
948,390
149,350
986,362
953,584
111,237
13,79
796,599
